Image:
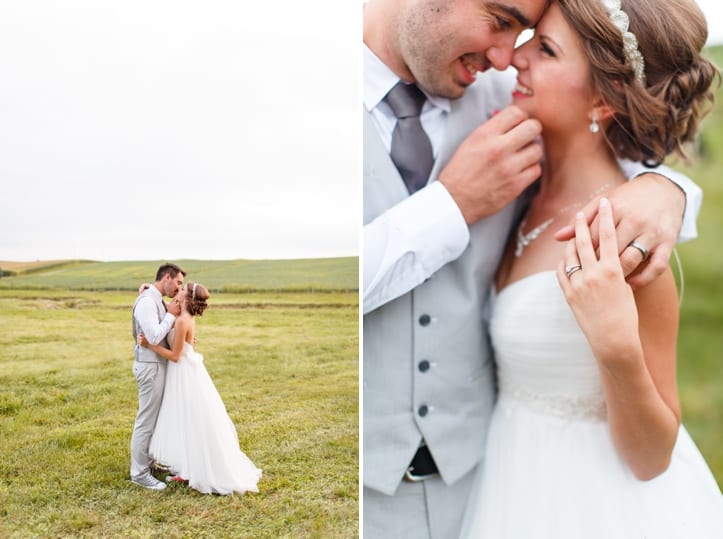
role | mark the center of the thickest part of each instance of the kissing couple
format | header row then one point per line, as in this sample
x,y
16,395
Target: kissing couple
x,y
182,426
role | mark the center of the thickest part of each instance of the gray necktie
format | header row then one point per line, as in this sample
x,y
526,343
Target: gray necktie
x,y
411,149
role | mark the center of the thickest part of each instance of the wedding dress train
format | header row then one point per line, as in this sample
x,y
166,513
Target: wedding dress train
x,y
194,435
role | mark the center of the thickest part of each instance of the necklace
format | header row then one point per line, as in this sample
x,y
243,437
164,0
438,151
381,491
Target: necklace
x,y
523,240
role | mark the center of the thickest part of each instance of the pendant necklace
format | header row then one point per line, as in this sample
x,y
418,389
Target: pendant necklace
x,y
523,240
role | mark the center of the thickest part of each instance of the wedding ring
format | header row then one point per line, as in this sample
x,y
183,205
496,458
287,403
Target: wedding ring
x,y
639,247
569,270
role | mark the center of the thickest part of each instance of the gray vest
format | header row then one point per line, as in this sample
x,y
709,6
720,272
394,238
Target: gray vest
x,y
146,355
427,366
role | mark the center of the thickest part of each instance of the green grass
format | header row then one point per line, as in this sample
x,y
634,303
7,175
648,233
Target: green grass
x,y
286,366
700,366
326,274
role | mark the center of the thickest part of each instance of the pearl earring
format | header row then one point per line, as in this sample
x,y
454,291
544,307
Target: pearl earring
x,y
594,126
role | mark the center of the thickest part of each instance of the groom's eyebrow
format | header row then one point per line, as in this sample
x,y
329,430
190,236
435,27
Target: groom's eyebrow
x,y
513,12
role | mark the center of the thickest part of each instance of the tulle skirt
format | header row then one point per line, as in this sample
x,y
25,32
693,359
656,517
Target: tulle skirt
x,y
194,435
553,477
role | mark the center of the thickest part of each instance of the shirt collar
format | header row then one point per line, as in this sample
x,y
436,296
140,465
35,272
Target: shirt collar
x,y
379,79
156,292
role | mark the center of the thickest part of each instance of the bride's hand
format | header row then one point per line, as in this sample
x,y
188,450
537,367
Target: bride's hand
x,y
143,287
142,340
603,303
649,210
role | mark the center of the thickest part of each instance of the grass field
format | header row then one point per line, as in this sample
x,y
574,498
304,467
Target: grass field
x,y
328,274
700,364
286,365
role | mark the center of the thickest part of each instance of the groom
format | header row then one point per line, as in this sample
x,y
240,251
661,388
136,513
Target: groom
x,y
153,318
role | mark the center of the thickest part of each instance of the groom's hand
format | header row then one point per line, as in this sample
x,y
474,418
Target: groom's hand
x,y
648,210
496,162
174,308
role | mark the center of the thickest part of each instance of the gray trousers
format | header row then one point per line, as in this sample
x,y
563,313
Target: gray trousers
x,y
151,378
426,510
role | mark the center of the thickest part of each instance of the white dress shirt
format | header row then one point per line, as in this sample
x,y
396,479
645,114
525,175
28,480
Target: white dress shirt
x,y
145,313
408,243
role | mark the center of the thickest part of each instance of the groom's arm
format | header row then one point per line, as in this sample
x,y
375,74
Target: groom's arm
x,y
693,193
656,210
412,240
154,331
409,242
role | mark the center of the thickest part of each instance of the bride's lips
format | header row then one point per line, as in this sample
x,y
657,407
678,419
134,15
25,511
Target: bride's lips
x,y
522,91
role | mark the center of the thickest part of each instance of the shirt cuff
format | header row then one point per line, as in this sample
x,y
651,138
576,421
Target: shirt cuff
x,y
409,242
432,224
693,194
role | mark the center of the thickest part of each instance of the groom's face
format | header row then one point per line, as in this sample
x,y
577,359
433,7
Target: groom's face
x,y
172,285
445,44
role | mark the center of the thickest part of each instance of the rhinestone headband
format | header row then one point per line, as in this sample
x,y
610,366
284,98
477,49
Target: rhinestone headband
x,y
620,19
193,292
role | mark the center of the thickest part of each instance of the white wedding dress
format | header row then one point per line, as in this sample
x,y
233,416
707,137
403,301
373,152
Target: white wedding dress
x,y
194,435
550,469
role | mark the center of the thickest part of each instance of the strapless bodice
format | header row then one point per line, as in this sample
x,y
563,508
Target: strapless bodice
x,y
543,358
188,350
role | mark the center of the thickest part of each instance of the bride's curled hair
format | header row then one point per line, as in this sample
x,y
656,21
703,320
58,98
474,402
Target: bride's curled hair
x,y
197,296
656,119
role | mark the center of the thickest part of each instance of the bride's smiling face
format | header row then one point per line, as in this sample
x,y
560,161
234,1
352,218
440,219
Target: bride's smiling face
x,y
553,82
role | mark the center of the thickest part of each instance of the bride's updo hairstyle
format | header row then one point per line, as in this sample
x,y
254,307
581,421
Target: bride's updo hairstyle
x,y
196,295
654,116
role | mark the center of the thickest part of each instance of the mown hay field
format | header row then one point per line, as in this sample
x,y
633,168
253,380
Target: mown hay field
x,y
286,365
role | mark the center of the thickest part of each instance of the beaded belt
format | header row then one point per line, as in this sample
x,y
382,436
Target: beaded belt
x,y
557,404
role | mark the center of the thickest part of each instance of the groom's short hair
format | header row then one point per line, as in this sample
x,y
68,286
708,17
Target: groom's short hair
x,y
171,269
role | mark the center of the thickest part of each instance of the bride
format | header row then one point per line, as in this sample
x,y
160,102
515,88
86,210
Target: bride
x,y
194,436
586,437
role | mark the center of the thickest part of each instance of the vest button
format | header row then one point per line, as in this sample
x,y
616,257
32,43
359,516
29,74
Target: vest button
x,y
425,319
423,410
423,366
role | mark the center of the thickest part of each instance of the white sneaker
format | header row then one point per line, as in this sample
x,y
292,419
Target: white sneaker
x,y
148,481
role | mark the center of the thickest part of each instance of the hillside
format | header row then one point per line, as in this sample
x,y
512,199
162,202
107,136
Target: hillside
x,y
323,274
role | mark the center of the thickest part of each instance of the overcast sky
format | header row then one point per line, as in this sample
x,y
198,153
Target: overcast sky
x,y
167,129
147,129
713,10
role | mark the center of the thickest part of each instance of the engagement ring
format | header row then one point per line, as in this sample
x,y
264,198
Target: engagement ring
x,y
569,270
